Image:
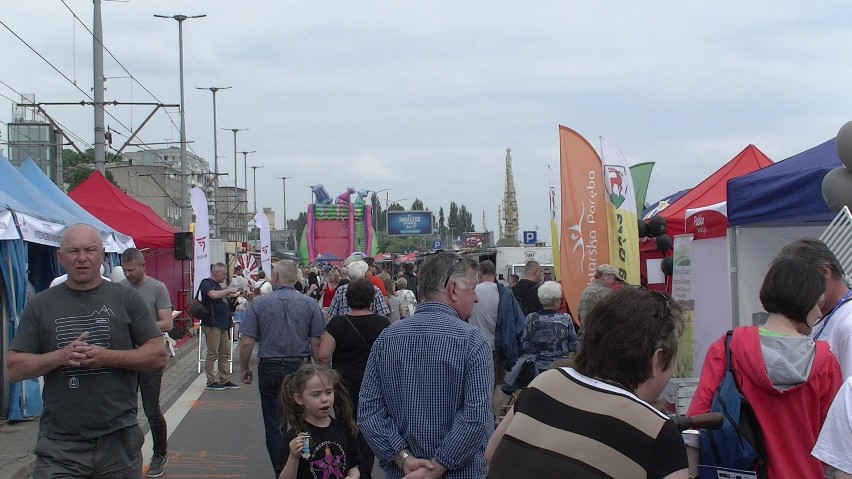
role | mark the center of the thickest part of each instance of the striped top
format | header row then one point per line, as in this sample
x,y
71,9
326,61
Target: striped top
x,y
570,425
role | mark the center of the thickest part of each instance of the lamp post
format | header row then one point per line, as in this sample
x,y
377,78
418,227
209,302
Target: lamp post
x,y
254,184
284,184
245,170
215,89
184,205
235,130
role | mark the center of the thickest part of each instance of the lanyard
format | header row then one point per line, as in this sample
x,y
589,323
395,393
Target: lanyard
x,y
827,317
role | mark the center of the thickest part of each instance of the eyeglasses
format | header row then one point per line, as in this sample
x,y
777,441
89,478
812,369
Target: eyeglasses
x,y
665,318
456,261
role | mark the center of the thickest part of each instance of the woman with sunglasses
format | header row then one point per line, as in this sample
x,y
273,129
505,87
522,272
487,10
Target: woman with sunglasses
x,y
595,419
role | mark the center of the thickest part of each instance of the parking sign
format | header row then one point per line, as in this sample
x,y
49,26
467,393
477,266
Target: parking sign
x,y
530,237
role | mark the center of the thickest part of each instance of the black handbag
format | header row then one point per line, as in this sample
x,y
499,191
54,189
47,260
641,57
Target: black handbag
x,y
197,309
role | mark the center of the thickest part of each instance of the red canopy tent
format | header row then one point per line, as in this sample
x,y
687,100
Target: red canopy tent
x,y
710,191
152,234
115,208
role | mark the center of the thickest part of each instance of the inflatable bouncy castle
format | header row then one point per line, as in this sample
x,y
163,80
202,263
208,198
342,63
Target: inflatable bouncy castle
x,y
338,227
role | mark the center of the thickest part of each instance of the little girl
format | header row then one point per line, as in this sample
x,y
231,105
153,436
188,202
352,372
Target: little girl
x,y
308,396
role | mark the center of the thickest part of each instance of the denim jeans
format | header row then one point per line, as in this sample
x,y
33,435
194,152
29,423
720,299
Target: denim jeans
x,y
149,386
270,375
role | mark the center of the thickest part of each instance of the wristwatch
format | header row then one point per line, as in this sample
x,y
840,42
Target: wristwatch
x,y
401,457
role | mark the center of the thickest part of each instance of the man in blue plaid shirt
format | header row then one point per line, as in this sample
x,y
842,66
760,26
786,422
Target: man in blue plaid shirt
x,y
425,403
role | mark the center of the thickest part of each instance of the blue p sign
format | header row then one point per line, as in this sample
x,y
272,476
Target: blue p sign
x,y
530,237
436,245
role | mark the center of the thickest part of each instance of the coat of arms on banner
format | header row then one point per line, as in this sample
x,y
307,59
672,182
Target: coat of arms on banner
x,y
616,185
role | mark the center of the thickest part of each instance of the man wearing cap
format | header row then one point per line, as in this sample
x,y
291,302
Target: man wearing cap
x,y
606,281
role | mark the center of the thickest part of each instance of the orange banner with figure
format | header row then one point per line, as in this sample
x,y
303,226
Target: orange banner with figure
x,y
584,232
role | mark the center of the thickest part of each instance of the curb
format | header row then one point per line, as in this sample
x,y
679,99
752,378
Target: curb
x,y
23,467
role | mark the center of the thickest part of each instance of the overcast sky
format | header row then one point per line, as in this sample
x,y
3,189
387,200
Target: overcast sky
x,y
425,97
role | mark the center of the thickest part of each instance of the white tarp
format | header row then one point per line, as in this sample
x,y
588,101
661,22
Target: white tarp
x,y
8,230
712,295
752,249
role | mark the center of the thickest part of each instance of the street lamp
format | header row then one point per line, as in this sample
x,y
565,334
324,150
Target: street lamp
x,y
184,204
235,130
214,89
245,170
254,184
284,184
379,202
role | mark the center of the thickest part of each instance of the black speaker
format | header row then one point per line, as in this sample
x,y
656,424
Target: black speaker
x,y
183,245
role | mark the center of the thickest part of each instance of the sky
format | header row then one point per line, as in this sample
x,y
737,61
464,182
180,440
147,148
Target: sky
x,y
424,98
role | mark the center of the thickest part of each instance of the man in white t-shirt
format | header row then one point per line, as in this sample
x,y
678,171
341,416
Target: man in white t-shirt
x,y
262,285
835,327
834,446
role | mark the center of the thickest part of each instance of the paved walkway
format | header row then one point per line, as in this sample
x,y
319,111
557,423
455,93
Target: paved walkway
x,y
17,441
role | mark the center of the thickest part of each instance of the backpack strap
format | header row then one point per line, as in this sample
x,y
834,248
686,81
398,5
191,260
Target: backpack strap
x,y
728,363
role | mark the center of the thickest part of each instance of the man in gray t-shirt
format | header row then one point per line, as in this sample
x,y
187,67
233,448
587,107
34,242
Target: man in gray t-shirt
x,y
157,298
87,337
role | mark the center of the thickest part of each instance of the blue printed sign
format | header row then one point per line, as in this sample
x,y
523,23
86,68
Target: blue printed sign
x,y
530,237
403,223
436,245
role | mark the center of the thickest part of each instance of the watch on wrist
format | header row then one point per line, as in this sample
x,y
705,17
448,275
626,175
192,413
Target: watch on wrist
x,y
401,457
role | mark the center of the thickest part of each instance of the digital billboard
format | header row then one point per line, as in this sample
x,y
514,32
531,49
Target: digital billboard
x,y
404,223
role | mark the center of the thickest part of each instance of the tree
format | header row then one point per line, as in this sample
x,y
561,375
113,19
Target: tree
x,y
301,222
442,227
417,205
78,167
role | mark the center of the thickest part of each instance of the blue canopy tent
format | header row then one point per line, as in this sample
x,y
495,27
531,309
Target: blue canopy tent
x,y
24,398
768,209
789,191
37,178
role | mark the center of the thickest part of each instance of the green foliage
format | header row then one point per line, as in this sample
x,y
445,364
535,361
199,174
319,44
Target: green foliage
x,y
78,167
417,205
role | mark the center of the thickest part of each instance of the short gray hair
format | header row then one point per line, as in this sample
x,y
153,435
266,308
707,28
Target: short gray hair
x,y
358,269
132,255
435,270
550,292
287,271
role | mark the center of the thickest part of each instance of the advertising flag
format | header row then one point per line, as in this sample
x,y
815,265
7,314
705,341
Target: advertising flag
x,y
641,175
554,232
262,222
621,211
584,233
201,243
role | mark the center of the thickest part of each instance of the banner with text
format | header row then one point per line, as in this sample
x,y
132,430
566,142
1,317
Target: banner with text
x,y
8,230
683,293
201,243
584,233
403,223
39,231
262,222
621,211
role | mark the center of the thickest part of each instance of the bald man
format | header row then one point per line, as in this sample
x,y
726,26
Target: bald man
x,y
88,337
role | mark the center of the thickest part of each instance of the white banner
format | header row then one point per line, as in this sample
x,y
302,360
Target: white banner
x,y
8,230
262,222
201,243
39,231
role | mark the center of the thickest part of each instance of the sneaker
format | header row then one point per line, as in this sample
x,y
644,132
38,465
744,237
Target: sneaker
x,y
230,385
158,465
215,387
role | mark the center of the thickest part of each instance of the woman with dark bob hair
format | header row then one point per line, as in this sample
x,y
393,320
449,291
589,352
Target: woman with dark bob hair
x,y
346,346
595,419
788,378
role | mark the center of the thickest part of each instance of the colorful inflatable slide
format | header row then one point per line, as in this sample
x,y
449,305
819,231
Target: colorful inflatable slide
x,y
338,228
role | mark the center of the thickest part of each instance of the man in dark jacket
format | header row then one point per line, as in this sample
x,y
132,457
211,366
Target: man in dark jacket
x,y
526,291
408,274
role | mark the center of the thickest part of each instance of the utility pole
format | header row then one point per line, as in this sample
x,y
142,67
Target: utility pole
x,y
254,184
235,130
215,89
284,184
98,67
245,170
184,192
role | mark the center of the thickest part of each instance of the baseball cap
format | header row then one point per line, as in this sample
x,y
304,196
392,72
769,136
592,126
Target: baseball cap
x,y
609,269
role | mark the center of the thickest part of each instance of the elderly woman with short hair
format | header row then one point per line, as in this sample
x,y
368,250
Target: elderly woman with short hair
x,y
549,335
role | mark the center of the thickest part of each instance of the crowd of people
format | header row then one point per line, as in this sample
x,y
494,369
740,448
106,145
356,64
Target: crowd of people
x,y
415,369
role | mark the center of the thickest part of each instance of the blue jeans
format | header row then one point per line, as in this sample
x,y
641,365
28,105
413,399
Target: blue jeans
x,y
149,386
270,375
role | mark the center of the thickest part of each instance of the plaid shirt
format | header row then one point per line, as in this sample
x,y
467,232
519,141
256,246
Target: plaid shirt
x,y
339,306
428,387
283,322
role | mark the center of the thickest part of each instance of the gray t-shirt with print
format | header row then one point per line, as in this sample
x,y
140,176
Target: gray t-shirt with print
x,y
154,292
79,402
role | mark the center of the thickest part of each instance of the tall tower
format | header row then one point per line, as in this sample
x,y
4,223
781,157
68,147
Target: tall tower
x,y
510,207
